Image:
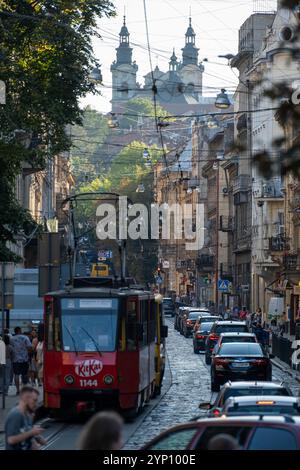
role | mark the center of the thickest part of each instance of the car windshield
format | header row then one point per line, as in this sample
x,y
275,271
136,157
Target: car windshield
x,y
240,349
193,315
206,327
238,339
254,391
265,409
230,329
208,319
89,324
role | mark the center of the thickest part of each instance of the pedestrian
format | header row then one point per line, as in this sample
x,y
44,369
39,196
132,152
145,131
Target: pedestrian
x,y
223,442
21,347
40,359
227,314
8,362
243,314
20,434
102,432
32,358
258,315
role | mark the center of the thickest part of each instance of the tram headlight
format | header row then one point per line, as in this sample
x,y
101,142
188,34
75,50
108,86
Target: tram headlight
x,y
108,379
69,379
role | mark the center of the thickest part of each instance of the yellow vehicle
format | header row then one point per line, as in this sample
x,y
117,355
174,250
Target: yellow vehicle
x,y
99,270
160,344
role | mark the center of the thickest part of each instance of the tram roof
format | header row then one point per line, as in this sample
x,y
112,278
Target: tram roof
x,y
95,292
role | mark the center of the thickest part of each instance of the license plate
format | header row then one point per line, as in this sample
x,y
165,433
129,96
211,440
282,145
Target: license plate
x,y
240,364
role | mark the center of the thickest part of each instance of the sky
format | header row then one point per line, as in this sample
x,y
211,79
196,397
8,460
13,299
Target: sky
x,y
216,24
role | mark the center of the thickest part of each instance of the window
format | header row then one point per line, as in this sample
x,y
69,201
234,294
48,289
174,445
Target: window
x,y
152,320
89,325
144,321
240,433
242,349
267,438
176,440
53,333
131,330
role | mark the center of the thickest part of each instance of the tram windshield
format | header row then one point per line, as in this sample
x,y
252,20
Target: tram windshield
x,y
89,325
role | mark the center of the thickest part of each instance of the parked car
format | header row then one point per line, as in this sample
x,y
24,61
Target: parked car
x,y
211,318
236,361
178,315
168,306
262,404
251,432
189,320
222,327
241,389
200,336
234,338
187,310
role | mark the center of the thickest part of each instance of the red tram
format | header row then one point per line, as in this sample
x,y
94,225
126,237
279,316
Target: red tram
x,y
100,348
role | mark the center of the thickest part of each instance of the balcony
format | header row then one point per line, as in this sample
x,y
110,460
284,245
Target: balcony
x,y
291,263
270,190
226,223
241,183
205,262
279,243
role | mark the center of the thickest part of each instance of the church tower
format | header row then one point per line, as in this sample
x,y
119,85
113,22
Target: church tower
x,y
189,70
124,86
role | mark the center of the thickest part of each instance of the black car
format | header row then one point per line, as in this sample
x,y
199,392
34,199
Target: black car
x,y
168,306
222,327
242,389
239,361
178,316
189,320
200,336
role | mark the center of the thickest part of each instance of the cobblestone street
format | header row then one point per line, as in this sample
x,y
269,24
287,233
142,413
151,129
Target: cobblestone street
x,y
190,384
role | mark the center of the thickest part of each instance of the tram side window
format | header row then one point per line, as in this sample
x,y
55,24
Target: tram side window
x,y
144,322
131,330
152,321
53,335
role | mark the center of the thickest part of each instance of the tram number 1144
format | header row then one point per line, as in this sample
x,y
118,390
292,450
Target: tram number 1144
x,y
88,383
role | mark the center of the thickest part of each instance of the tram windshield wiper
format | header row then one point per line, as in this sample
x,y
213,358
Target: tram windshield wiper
x,y
93,339
72,338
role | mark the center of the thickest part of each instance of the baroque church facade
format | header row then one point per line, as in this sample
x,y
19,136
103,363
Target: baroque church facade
x,y
179,90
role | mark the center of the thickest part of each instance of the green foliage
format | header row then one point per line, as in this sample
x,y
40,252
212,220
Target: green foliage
x,y
46,57
142,106
87,154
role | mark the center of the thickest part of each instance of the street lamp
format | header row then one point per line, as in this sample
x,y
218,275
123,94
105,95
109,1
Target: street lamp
x,y
96,76
113,122
140,188
222,100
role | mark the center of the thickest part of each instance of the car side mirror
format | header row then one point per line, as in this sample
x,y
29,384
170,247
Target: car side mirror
x,y
164,331
272,356
205,406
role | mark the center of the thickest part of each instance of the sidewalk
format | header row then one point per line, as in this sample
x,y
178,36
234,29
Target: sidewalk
x,y
286,368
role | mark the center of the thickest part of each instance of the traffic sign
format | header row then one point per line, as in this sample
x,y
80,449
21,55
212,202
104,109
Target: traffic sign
x,y
224,285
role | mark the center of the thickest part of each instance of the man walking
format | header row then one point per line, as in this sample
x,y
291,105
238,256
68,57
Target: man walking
x,y
21,347
20,434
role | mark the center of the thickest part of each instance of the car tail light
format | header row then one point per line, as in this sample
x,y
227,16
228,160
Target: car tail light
x,y
260,362
213,337
221,360
216,412
189,322
198,336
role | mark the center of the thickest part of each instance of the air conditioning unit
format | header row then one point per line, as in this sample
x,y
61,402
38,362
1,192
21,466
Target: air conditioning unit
x,y
225,190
